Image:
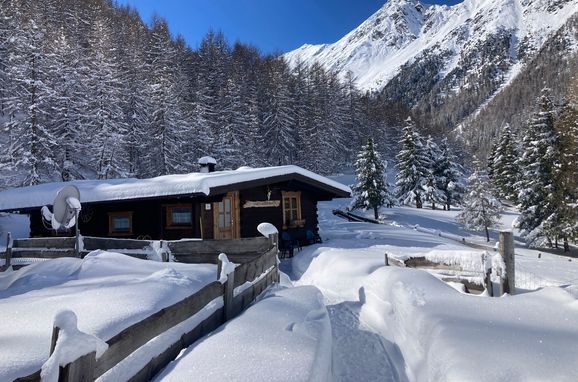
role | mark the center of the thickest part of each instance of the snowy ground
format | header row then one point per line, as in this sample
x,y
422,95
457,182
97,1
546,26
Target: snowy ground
x,y
285,337
387,323
403,324
107,291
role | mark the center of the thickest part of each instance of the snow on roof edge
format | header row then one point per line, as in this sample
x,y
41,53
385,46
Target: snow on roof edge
x,y
166,185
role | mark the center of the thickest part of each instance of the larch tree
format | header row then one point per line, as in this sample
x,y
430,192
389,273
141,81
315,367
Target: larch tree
x,y
481,209
370,191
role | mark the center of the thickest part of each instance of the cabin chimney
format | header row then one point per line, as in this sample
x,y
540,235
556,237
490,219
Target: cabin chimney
x,y
207,164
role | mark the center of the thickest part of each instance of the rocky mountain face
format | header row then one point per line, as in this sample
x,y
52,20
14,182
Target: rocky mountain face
x,y
448,63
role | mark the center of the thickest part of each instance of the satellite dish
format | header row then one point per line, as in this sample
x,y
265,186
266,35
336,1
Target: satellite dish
x,y
65,208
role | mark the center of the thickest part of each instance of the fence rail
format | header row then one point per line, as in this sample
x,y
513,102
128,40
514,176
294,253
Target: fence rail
x,y
253,277
185,251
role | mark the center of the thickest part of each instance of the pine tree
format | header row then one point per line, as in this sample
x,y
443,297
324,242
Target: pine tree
x,y
562,224
481,209
504,165
432,192
412,167
540,164
371,190
448,174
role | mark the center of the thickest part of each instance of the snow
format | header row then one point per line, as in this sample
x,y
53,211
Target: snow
x,y
130,188
285,337
70,346
416,327
107,291
227,268
207,160
132,364
398,34
267,229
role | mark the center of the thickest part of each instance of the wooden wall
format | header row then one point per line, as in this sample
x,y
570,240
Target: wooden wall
x,y
149,218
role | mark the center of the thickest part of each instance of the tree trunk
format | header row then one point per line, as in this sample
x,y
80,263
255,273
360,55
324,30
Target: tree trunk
x,y
566,245
375,212
487,234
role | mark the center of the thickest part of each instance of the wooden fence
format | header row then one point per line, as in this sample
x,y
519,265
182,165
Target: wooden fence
x,y
507,276
243,285
20,252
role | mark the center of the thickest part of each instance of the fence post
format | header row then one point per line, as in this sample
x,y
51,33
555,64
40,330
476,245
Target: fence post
x,y
507,252
80,370
228,288
386,260
274,244
8,255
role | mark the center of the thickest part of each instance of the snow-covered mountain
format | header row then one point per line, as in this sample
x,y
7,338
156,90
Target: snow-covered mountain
x,y
447,42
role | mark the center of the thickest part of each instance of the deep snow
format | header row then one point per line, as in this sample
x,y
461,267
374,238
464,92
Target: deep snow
x,y
430,330
107,291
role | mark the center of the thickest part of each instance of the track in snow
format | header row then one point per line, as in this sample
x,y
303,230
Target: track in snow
x,y
359,354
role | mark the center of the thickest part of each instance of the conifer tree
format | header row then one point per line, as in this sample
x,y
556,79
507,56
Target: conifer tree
x,y
481,209
412,167
540,163
371,190
433,194
504,165
448,174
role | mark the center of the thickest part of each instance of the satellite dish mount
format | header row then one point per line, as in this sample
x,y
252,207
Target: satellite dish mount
x,y
65,211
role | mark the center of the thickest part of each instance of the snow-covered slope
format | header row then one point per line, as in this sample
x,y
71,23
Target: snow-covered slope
x,y
456,40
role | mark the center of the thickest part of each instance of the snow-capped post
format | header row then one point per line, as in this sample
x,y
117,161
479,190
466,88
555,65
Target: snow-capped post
x,y
487,263
8,254
507,252
226,276
270,231
72,353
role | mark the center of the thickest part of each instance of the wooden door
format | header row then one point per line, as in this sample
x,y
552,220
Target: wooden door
x,y
226,217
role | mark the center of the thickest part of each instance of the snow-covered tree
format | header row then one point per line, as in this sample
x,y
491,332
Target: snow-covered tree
x,y
433,193
481,209
449,175
412,167
540,164
371,191
505,169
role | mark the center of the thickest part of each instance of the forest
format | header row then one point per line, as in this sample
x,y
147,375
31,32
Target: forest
x,y
89,90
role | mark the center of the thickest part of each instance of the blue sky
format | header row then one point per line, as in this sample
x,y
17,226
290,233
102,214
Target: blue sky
x,y
271,25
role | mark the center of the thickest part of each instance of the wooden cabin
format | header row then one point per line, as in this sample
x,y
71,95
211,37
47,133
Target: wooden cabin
x,y
206,205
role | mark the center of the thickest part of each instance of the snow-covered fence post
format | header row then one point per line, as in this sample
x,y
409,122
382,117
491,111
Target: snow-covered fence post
x,y
72,352
487,263
386,259
506,249
270,231
274,244
8,254
227,278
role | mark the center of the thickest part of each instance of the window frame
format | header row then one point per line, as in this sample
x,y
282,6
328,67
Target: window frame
x,y
299,222
112,215
169,216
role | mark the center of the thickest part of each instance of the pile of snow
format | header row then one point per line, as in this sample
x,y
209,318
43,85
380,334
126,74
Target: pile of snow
x,y
107,291
446,335
285,337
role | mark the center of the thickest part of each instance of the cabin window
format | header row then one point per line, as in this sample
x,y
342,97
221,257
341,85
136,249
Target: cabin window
x,y
120,223
225,215
179,216
292,209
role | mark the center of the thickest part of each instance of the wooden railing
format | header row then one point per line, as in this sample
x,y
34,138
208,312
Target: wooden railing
x,y
240,289
20,252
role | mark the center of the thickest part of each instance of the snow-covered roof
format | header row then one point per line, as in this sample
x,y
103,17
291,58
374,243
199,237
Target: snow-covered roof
x,y
167,185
